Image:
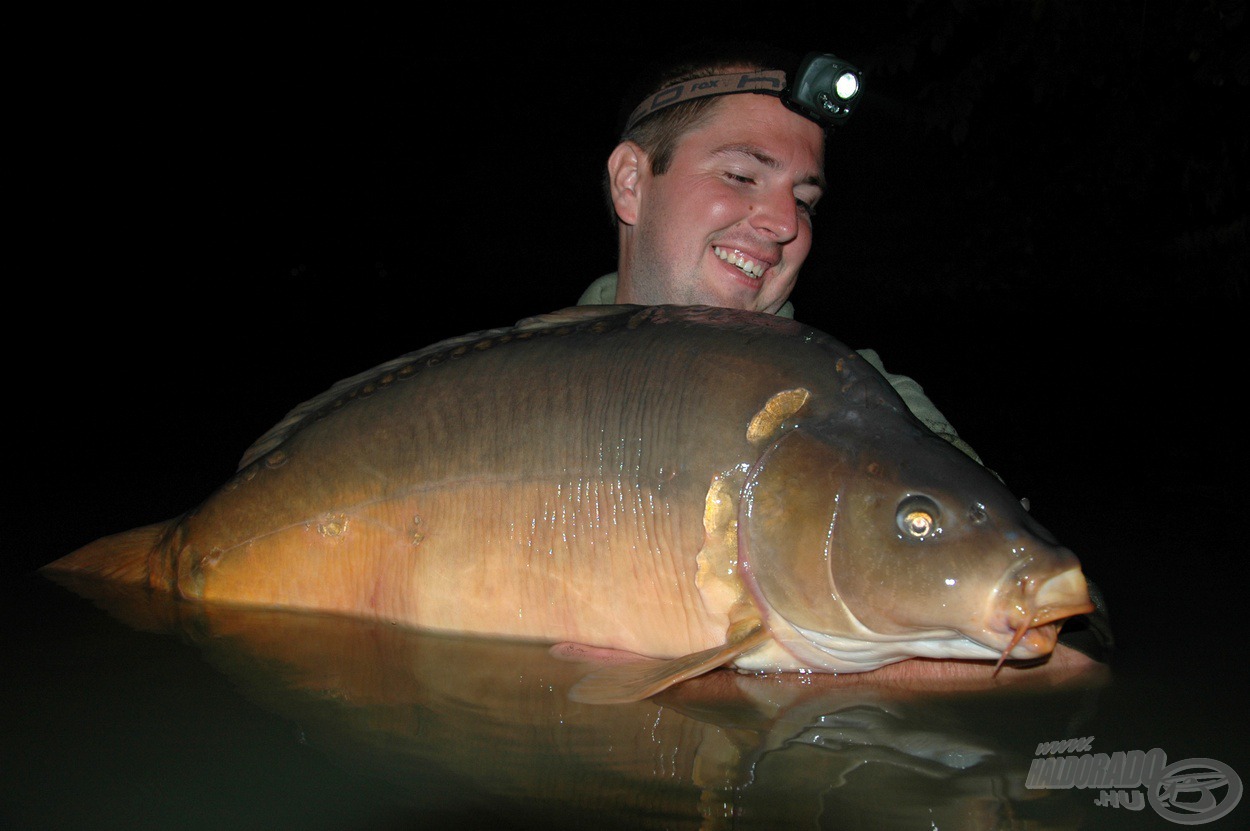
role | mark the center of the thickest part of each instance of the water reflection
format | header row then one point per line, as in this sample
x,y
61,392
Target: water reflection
x,y
451,722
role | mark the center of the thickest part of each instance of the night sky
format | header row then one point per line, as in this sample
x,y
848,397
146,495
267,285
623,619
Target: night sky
x,y
1039,212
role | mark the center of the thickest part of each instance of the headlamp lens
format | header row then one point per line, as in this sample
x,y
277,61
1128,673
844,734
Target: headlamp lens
x,y
847,86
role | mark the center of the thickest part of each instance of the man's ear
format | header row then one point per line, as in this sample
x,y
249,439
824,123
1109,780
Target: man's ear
x,y
624,172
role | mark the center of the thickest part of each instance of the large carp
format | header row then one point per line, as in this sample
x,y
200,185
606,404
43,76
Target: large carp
x,y
703,487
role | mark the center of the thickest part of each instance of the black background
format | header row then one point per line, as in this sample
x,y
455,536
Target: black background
x,y
1039,212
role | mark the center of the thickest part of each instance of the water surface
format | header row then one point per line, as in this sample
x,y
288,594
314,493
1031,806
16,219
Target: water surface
x,y
133,711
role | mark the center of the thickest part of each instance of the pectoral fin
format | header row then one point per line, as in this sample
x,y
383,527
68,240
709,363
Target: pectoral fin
x,y
634,681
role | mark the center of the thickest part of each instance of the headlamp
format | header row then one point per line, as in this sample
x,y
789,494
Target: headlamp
x,y
825,89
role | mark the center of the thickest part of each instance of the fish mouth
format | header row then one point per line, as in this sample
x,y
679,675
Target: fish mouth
x,y
1029,626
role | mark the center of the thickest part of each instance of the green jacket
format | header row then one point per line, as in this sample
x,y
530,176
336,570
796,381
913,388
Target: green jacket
x,y
603,292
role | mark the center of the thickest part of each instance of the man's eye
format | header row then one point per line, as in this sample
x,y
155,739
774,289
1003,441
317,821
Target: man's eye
x,y
806,207
738,177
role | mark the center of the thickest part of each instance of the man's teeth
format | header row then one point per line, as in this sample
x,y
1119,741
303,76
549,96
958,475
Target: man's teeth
x,y
736,258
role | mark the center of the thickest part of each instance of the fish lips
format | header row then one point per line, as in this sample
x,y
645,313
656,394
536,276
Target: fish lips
x,y
1034,600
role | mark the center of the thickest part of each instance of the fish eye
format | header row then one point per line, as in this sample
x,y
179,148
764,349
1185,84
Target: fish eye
x,y
918,517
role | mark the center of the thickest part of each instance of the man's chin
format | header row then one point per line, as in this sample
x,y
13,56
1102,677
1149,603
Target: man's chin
x,y
740,297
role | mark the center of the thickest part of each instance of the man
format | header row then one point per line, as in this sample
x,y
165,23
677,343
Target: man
x,y
713,190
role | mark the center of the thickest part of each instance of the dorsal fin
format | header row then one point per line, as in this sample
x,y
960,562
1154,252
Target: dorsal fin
x,y
291,422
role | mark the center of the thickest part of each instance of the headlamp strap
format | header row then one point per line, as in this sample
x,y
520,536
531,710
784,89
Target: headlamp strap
x,y
766,81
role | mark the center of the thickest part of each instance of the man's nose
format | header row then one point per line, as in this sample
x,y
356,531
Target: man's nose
x,y
777,215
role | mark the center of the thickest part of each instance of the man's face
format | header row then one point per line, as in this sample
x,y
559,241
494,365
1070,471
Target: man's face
x,y
728,224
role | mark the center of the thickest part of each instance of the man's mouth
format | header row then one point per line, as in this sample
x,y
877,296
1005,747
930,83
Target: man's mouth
x,y
737,258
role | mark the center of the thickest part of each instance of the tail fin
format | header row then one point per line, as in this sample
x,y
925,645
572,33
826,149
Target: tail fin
x,y
122,558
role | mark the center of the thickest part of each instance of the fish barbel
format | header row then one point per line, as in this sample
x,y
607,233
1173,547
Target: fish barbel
x,y
701,487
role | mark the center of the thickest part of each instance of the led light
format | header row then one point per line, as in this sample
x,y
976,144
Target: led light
x,y
847,86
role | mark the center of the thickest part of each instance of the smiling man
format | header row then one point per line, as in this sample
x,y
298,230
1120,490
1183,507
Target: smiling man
x,y
729,222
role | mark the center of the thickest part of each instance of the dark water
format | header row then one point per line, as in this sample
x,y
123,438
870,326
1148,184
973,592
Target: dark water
x,y
155,715
161,715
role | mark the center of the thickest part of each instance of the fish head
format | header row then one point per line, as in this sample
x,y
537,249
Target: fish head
x,y
866,546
